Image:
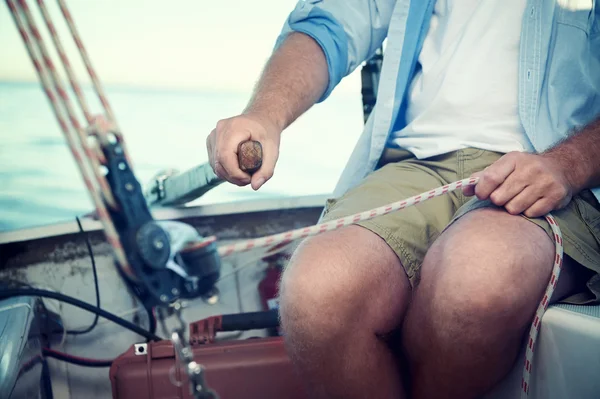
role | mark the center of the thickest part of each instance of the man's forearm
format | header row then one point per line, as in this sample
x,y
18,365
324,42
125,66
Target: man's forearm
x,y
293,80
579,155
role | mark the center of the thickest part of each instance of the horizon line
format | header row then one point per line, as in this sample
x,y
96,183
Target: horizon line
x,y
139,87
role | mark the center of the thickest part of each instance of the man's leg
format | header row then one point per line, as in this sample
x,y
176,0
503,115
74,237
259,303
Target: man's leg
x,y
340,293
481,282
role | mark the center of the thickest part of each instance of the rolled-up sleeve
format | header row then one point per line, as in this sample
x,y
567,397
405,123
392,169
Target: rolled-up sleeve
x,y
348,31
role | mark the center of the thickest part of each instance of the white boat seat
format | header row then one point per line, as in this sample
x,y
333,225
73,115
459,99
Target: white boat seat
x,y
566,363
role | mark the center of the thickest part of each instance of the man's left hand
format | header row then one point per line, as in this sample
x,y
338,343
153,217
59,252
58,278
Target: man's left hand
x,y
524,183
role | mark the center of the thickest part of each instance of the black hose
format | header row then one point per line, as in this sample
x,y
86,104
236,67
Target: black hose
x,y
46,381
35,292
80,361
151,320
97,316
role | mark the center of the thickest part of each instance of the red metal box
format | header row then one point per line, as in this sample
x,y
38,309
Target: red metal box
x,y
253,368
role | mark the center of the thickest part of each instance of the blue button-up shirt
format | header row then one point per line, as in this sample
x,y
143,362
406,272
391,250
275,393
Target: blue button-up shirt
x,y
559,65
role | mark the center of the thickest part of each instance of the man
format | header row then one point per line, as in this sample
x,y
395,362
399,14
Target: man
x,y
505,90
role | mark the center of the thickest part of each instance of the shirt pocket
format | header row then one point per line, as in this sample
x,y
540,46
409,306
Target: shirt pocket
x,y
576,13
573,74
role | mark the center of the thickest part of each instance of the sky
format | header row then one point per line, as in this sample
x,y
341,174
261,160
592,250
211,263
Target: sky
x,y
184,44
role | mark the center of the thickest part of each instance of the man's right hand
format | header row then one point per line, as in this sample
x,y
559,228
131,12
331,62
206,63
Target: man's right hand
x,y
222,145
295,77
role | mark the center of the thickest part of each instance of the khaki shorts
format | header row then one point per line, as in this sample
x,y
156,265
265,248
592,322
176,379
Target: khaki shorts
x,y
411,231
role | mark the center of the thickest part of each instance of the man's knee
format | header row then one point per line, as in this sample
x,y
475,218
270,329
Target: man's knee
x,y
309,298
480,282
458,313
490,255
340,280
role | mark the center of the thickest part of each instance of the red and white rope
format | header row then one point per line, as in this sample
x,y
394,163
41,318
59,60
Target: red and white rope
x,y
535,326
66,102
84,156
292,235
88,63
65,61
95,80
338,223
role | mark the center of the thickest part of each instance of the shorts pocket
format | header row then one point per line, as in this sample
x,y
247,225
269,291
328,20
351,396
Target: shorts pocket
x,y
590,213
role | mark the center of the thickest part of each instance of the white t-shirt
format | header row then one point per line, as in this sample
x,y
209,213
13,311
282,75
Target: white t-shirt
x,y
465,94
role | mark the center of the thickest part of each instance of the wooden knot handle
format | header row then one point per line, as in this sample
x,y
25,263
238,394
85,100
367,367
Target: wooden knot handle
x,y
250,156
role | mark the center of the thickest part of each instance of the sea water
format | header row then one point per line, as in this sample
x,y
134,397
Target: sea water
x,y
40,183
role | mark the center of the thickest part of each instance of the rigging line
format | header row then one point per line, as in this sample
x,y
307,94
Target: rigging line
x,y
93,76
80,158
65,61
92,159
